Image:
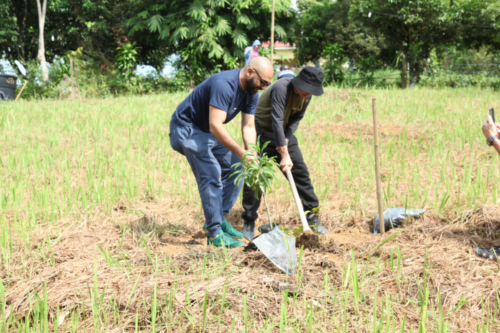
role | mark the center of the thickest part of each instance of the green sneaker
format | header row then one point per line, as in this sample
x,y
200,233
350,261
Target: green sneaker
x,y
228,229
225,239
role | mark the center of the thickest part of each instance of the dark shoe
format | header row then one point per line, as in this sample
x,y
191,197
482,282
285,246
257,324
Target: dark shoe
x,y
249,230
264,229
315,224
228,229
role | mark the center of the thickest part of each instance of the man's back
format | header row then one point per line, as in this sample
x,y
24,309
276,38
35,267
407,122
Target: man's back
x,y
221,90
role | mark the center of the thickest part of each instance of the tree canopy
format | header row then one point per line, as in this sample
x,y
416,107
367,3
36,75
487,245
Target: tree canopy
x,y
324,22
416,27
212,33
96,26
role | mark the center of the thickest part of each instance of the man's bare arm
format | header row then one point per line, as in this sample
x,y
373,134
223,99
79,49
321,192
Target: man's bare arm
x,y
216,120
496,145
248,129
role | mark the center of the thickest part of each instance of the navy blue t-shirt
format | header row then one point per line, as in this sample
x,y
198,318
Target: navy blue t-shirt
x,y
221,90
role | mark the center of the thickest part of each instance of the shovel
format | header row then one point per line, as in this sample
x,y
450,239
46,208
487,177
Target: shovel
x,y
279,247
308,237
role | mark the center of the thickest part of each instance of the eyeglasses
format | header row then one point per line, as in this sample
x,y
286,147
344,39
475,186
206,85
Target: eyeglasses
x,y
263,83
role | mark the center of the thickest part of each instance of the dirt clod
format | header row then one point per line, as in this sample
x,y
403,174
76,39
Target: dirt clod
x,y
328,247
308,239
147,225
279,286
250,247
200,234
192,242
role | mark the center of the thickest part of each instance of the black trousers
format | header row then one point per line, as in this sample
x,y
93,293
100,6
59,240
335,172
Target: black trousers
x,y
300,176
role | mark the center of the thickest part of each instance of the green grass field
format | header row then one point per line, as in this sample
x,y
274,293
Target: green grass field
x,y
100,224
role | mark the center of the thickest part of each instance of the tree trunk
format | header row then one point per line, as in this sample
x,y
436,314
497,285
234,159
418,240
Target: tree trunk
x,y
404,72
20,12
41,43
417,70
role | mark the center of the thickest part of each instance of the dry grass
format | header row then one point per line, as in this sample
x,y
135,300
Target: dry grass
x,y
74,267
141,249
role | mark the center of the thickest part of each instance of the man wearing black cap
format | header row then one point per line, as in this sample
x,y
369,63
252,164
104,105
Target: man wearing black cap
x,y
277,116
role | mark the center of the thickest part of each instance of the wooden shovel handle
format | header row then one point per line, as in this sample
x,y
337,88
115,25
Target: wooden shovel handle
x,y
298,203
24,85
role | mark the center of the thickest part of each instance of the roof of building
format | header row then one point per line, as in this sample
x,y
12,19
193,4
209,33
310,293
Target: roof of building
x,y
279,44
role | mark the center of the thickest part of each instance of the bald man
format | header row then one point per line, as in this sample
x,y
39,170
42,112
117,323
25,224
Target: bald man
x,y
197,132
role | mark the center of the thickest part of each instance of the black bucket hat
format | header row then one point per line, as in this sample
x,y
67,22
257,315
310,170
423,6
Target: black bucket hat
x,y
310,80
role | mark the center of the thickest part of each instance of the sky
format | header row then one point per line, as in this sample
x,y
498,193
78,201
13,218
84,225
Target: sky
x,y
141,70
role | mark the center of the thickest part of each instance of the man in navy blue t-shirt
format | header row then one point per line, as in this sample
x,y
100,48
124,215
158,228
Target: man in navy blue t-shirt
x,y
197,132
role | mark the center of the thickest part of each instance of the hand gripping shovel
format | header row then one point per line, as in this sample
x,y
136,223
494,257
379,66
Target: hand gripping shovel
x,y
279,247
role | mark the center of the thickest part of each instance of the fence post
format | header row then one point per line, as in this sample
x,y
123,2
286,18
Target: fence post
x,y
72,80
377,170
272,37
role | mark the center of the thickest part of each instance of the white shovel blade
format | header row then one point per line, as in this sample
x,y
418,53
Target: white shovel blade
x,y
279,248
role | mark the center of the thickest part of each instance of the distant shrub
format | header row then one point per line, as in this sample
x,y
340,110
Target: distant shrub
x,y
442,79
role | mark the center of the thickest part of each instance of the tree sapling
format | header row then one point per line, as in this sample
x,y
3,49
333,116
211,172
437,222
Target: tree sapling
x,y
258,171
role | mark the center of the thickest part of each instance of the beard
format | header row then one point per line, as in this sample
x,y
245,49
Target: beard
x,y
252,87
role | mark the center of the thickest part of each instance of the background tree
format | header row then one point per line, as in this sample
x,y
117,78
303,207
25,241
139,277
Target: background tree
x,y
324,23
19,21
211,34
42,11
96,26
415,28
8,32
484,30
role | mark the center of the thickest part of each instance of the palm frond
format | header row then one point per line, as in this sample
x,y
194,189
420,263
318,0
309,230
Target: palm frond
x,y
179,33
243,19
253,22
240,38
216,51
197,11
222,27
143,15
154,23
165,32
136,27
279,31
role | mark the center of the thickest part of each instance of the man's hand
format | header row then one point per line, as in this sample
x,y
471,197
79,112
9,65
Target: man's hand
x,y
286,162
254,158
489,128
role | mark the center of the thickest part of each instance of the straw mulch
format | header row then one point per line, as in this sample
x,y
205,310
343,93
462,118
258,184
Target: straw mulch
x,y
74,268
